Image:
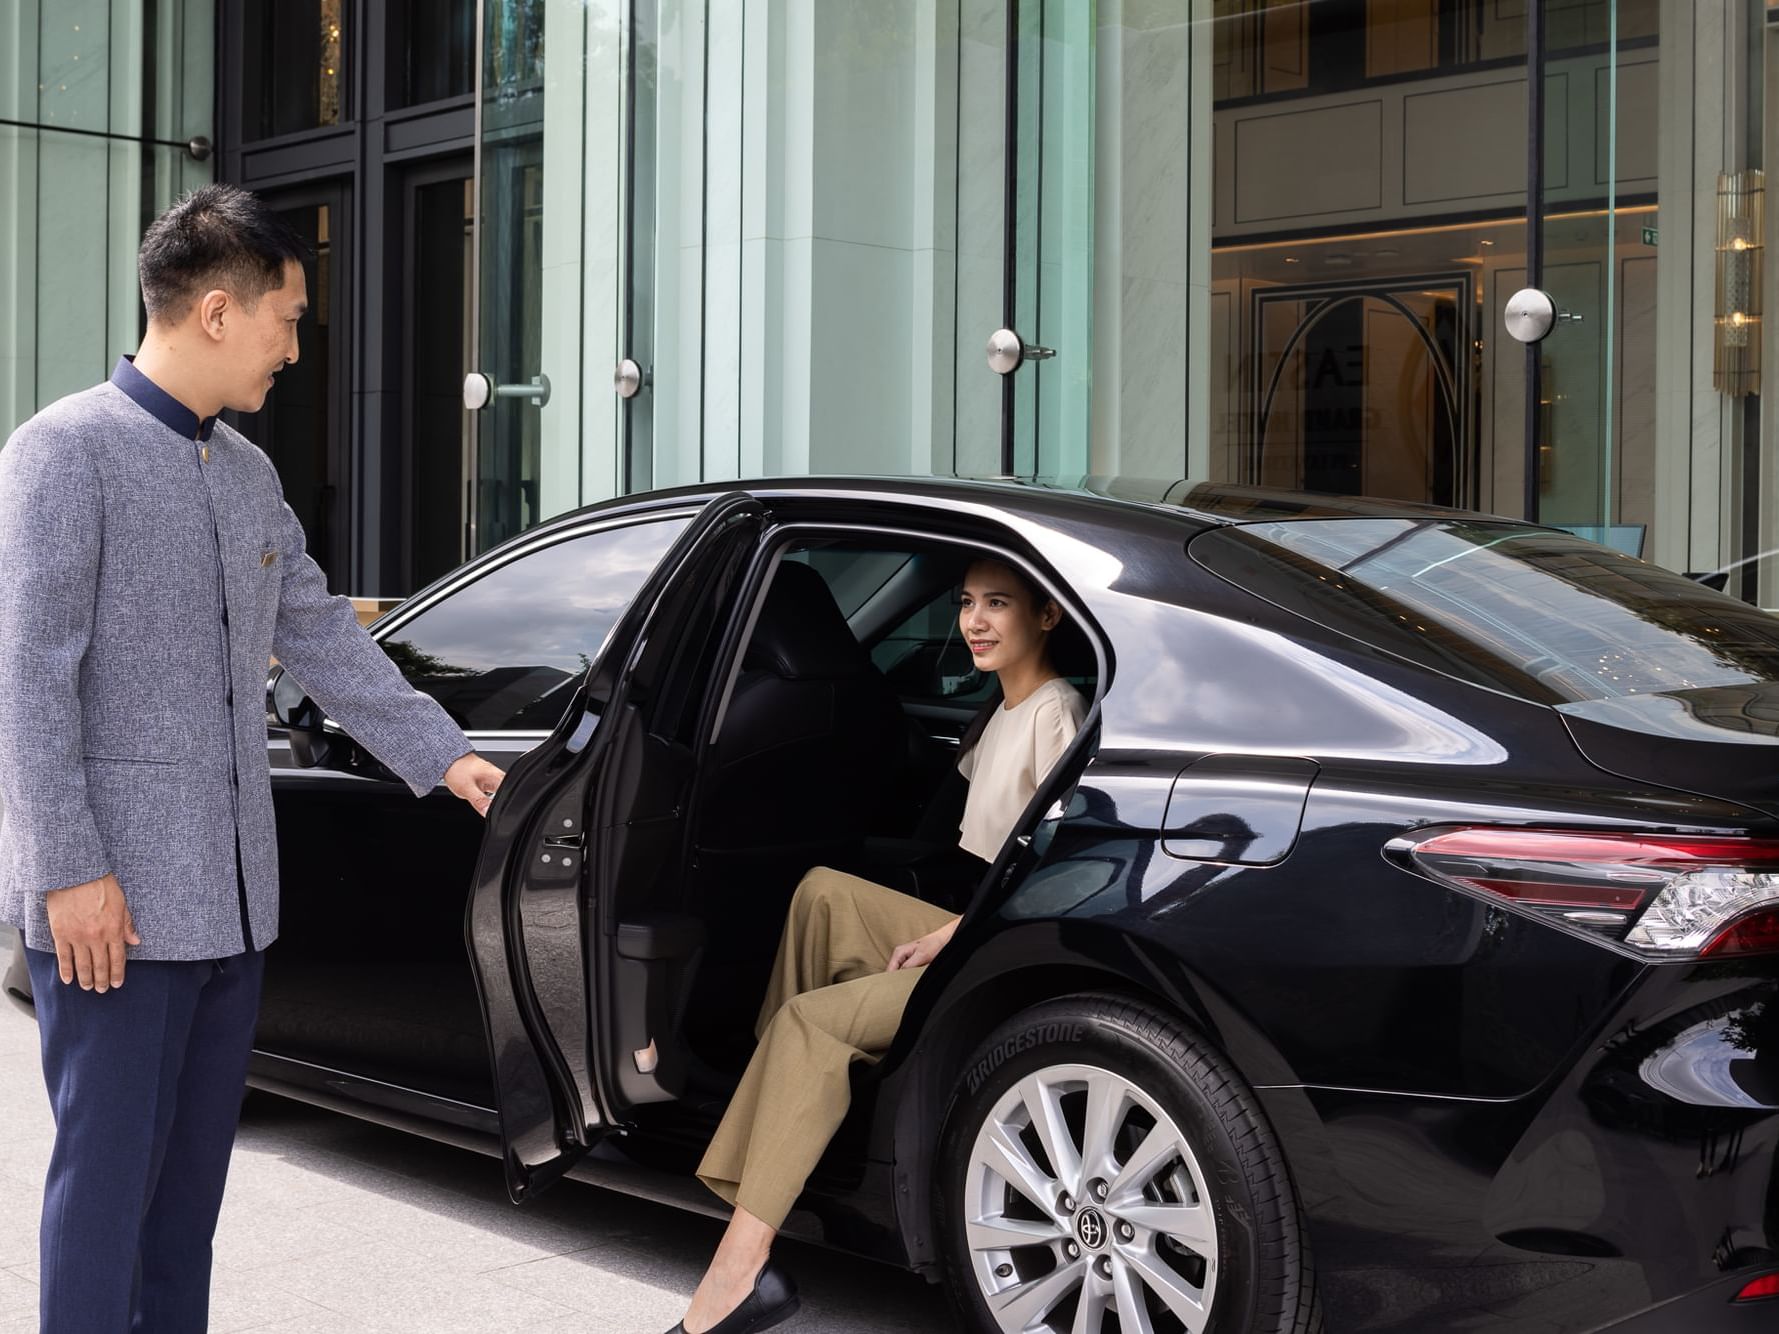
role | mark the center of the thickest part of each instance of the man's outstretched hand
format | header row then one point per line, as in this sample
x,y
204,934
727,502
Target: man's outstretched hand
x,y
91,924
474,779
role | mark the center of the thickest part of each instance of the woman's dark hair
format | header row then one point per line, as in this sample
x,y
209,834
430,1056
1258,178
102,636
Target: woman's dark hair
x,y
216,236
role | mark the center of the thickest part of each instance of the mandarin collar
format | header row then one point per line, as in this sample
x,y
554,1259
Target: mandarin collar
x,y
158,403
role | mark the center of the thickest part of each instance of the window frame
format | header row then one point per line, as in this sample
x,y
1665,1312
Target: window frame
x,y
782,537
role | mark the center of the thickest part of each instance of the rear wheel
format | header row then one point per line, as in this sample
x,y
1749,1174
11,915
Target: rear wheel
x,y
1104,1171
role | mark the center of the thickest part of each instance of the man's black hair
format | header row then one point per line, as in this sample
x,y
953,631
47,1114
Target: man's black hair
x,y
216,236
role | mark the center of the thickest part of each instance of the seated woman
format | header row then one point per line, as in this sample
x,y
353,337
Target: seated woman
x,y
851,954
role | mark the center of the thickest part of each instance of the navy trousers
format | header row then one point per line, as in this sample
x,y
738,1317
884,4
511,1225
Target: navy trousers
x,y
145,1083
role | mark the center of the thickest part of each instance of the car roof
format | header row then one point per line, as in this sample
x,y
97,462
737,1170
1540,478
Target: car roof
x,y
1198,504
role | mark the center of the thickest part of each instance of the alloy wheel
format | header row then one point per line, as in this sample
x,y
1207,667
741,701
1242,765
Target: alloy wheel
x,y
1083,1199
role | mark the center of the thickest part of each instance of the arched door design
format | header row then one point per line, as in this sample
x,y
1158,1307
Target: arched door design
x,y
1365,388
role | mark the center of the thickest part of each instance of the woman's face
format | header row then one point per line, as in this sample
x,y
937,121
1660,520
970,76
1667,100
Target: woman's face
x,y
1002,624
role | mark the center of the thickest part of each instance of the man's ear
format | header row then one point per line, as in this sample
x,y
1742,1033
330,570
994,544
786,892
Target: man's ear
x,y
212,307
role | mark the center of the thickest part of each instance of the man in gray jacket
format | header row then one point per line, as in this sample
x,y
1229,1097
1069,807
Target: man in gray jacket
x,y
149,568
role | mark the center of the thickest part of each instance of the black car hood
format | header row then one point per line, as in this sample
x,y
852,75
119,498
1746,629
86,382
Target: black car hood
x,y
1719,741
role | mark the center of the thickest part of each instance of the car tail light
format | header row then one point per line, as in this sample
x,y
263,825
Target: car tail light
x,y
1671,896
1767,1285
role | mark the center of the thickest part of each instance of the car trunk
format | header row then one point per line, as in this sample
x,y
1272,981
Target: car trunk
x,y
1719,741
1658,679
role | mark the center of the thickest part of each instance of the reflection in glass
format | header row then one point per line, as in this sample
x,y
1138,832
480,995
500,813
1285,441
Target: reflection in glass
x,y
440,431
1361,389
509,444
1265,48
1539,614
503,653
435,50
516,50
297,49
1359,260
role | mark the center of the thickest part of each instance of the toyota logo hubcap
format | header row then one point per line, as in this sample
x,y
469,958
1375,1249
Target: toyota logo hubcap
x,y
1090,1226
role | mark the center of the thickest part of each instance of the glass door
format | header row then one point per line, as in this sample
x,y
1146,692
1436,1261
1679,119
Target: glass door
x,y
1053,235
1591,260
648,379
509,389
1042,346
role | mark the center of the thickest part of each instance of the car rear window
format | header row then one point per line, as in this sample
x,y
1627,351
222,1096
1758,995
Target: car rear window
x,y
1539,614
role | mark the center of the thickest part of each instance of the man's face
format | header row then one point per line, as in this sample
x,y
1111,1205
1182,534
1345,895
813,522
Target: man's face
x,y
257,344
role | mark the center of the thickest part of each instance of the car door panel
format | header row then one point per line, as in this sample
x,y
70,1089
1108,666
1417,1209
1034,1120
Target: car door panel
x,y
371,980
369,977
581,837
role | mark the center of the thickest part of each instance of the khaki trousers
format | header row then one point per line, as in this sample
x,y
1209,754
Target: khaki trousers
x,y
829,1003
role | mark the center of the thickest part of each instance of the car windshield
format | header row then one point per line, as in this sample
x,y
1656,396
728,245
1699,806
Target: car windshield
x,y
1538,613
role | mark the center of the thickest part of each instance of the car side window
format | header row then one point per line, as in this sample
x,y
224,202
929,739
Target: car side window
x,y
853,574
502,654
927,661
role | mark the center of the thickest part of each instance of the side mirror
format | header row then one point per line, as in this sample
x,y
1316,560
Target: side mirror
x,y
291,706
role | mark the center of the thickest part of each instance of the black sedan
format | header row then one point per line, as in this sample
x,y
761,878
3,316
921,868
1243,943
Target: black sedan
x,y
1397,947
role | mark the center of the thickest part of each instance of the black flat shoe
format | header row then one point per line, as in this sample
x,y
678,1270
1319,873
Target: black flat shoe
x,y
774,1299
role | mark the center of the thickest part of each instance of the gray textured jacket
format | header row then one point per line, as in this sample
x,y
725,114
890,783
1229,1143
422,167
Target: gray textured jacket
x,y
142,591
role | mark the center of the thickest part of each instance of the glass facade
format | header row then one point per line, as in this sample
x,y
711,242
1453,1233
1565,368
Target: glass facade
x,y
98,100
1259,241
357,122
297,51
1265,241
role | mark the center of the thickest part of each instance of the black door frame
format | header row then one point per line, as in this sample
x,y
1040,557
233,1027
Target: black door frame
x,y
373,148
409,181
333,544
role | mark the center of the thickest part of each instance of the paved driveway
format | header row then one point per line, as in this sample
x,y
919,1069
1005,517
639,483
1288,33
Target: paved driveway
x,y
335,1226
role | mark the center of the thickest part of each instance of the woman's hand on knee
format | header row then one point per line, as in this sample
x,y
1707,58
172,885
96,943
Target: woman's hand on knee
x,y
921,952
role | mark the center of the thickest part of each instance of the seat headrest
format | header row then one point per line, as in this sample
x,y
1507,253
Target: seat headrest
x,y
801,633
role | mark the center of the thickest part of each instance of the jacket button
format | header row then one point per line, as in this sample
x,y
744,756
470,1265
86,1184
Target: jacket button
x,y
231,699
225,615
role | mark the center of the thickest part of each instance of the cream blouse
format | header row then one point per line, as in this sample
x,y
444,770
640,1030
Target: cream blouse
x,y
1012,756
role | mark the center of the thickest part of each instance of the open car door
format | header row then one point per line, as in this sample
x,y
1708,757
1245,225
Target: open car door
x,y
576,945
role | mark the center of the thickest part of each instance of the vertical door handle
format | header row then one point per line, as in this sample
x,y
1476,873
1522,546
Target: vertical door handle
x,y
479,389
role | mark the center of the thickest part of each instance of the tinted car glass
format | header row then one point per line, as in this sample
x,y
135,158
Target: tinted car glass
x,y
925,658
1537,613
500,653
853,574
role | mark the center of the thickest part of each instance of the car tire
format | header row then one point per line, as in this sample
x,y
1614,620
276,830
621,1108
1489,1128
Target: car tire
x,y
1175,1198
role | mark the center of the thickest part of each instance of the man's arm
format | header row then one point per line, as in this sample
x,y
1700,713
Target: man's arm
x,y
320,642
51,519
